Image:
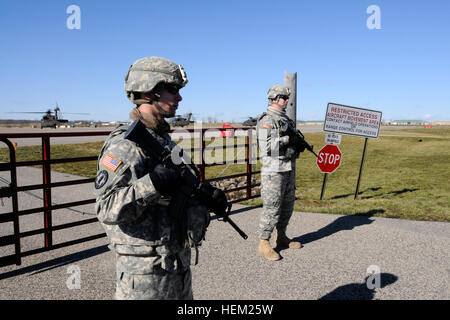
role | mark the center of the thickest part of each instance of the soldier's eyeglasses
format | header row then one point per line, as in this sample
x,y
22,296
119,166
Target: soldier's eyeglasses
x,y
171,88
284,97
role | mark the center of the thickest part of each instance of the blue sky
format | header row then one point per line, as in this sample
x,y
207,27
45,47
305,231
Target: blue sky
x,y
232,51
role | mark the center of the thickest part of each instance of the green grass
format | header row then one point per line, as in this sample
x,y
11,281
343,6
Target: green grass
x,y
404,176
401,178
85,168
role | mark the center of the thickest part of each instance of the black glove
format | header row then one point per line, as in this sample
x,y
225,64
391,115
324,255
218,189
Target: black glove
x,y
220,200
297,143
164,179
214,198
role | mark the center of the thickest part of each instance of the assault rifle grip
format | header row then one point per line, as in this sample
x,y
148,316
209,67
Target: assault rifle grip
x,y
301,137
219,206
306,144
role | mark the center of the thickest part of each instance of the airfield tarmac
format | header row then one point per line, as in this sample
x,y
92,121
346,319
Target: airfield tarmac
x,y
84,139
21,142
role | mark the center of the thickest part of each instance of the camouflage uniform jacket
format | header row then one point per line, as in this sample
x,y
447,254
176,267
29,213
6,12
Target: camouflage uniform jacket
x,y
273,141
131,210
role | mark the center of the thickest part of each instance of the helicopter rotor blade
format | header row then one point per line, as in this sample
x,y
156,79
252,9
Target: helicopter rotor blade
x,y
27,112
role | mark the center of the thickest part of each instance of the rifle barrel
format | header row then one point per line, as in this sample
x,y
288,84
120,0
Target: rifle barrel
x,y
314,152
241,233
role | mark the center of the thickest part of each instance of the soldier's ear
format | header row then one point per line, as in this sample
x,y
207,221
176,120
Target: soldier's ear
x,y
147,96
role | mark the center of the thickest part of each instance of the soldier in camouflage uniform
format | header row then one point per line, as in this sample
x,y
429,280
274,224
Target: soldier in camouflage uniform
x,y
277,176
133,192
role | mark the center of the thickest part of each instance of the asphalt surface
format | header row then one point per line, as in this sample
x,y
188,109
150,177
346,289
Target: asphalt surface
x,y
411,258
21,142
72,140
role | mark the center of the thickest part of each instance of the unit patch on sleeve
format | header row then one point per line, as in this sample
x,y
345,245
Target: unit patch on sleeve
x,y
266,125
111,163
101,179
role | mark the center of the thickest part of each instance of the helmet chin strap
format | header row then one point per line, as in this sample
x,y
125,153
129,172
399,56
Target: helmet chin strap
x,y
162,112
281,106
155,102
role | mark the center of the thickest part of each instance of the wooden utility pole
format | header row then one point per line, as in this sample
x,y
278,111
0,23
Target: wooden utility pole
x,y
290,81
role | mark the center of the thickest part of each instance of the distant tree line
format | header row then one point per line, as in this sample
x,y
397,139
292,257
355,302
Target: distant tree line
x,y
12,121
7,123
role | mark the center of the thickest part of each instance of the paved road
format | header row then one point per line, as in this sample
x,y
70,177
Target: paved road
x,y
21,142
412,257
71,140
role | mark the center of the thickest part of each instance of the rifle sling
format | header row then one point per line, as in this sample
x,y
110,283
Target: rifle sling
x,y
138,133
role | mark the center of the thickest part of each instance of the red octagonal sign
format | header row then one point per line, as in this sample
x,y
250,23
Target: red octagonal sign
x,y
329,158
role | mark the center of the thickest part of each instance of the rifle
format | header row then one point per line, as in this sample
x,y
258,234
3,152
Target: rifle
x,y
190,177
297,139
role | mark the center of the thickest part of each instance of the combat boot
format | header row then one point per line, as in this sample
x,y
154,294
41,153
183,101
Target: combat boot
x,y
266,250
282,241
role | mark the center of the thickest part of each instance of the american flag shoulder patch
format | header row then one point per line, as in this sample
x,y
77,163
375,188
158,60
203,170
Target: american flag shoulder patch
x,y
266,125
111,163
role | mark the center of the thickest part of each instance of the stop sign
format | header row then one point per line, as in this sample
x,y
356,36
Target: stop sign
x,y
329,158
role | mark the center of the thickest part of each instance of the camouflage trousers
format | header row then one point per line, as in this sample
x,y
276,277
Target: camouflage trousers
x,y
278,196
157,284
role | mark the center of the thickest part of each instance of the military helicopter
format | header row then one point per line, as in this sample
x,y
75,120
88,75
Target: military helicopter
x,y
179,121
51,119
250,122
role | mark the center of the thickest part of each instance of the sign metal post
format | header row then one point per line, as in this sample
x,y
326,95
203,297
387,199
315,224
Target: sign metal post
x,y
361,167
352,121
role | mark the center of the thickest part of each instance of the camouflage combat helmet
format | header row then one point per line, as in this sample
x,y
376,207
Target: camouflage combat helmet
x,y
277,90
144,74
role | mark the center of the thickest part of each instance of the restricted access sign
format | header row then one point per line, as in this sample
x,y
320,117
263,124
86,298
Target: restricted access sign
x,y
352,120
329,158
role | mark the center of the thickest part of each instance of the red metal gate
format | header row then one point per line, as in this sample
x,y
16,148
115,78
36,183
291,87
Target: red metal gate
x,y
12,190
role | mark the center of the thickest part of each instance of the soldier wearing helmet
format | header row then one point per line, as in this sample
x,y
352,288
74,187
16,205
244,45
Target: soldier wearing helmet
x,y
133,192
153,84
277,176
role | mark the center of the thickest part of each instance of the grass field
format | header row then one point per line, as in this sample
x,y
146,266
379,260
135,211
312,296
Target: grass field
x,y
403,177
406,174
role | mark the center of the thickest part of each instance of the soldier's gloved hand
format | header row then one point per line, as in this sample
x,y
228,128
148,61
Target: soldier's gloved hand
x,y
164,179
296,142
214,198
220,201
